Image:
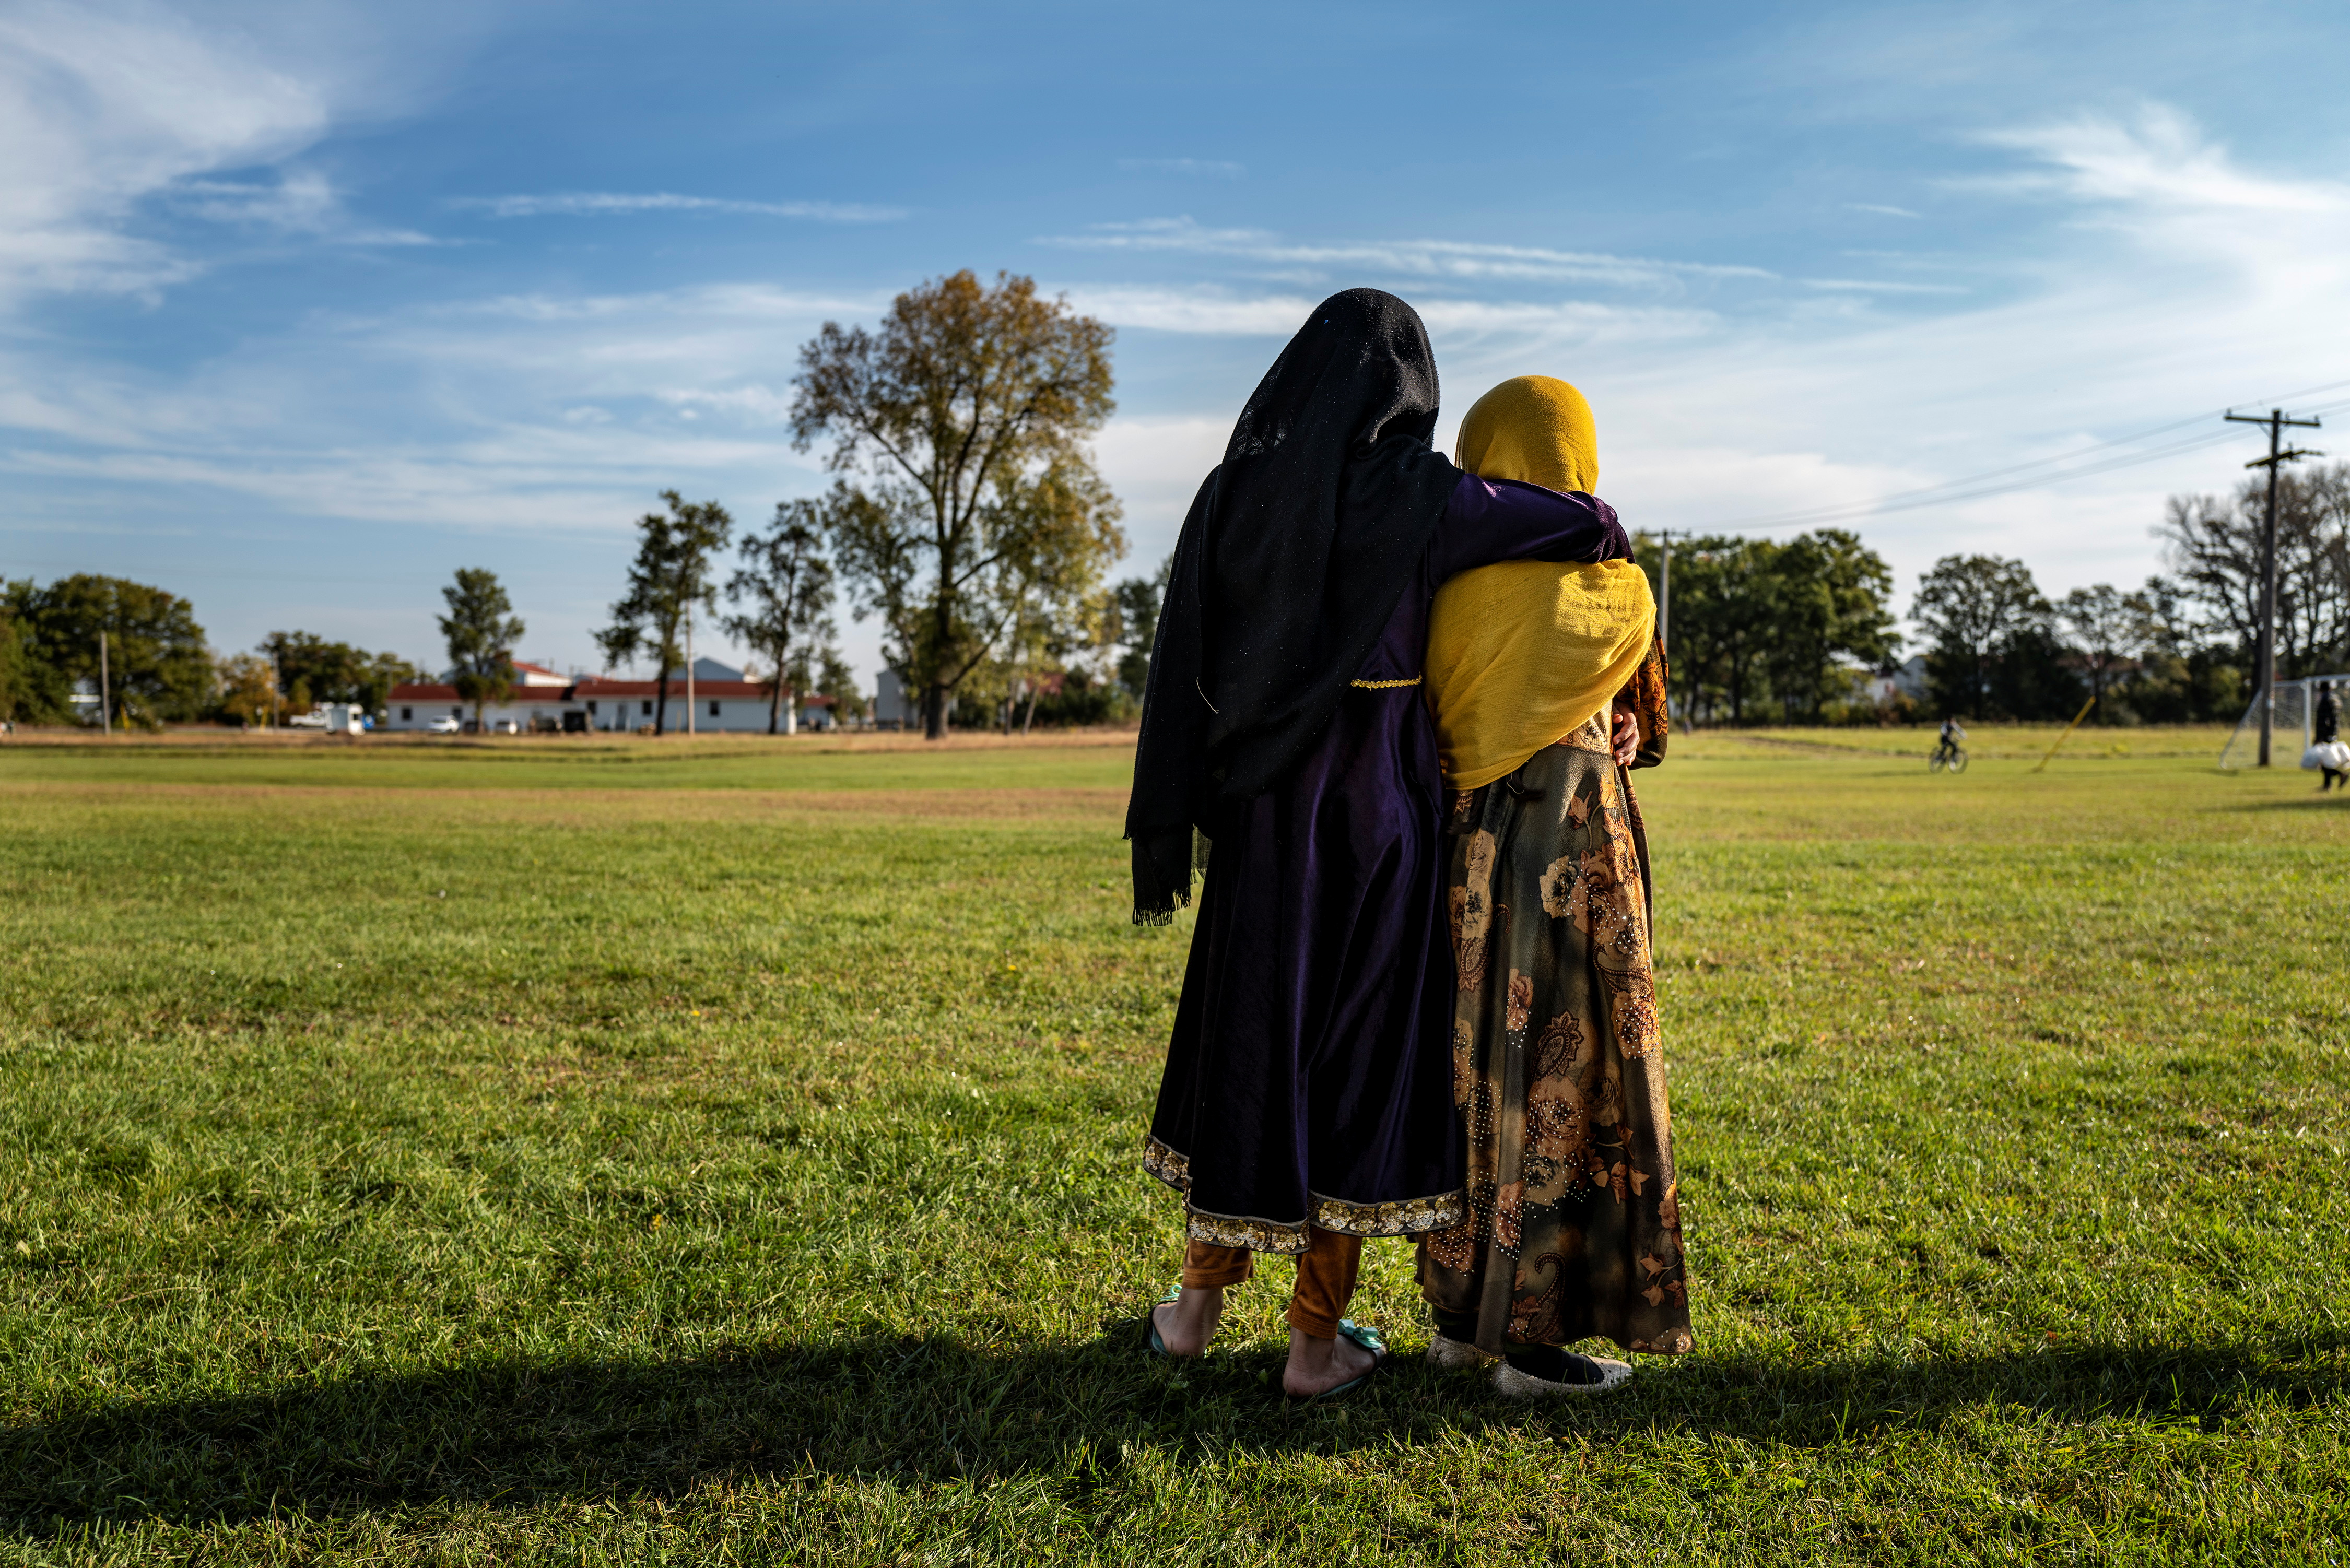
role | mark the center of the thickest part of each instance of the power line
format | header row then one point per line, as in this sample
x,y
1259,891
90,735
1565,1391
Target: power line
x,y
2001,480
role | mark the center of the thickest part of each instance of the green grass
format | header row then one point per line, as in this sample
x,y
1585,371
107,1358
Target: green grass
x,y
558,1153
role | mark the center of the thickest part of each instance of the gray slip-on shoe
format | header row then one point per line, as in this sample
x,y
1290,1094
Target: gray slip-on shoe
x,y
1511,1384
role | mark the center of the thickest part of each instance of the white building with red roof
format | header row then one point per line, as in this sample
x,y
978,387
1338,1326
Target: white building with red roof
x,y
545,702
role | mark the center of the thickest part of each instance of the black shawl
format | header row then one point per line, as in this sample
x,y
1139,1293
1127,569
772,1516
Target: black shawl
x,y
1295,552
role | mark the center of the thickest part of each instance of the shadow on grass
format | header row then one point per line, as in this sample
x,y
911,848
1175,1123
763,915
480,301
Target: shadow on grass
x,y
924,1411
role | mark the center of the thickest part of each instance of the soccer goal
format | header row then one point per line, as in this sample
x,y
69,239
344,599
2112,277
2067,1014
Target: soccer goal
x,y
2292,716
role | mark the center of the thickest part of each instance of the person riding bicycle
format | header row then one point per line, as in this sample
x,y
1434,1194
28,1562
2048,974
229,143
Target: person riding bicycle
x,y
1952,734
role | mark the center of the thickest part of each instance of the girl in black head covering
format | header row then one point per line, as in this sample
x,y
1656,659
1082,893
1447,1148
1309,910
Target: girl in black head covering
x,y
1307,1101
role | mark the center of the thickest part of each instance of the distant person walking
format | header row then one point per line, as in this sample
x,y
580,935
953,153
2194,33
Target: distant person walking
x,y
2326,738
1306,1102
1574,1222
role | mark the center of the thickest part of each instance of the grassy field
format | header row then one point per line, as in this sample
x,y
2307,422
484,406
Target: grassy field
x,y
562,1152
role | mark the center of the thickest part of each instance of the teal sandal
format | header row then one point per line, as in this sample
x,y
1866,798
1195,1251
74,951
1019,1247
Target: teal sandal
x,y
1367,1336
1158,1346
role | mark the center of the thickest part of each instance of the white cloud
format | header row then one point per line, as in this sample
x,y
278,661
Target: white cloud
x,y
1202,310
1866,285
1155,466
103,106
609,204
1453,259
1880,209
2159,160
300,201
1211,310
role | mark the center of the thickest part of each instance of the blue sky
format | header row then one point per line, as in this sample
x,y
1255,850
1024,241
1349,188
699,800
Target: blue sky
x,y
303,306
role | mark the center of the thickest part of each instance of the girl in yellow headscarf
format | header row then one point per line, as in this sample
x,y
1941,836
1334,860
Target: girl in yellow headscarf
x,y
1546,681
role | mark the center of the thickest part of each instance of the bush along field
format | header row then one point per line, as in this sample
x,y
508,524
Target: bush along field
x,y
717,1154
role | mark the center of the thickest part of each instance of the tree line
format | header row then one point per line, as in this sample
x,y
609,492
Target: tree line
x,y
1802,630
966,516
158,667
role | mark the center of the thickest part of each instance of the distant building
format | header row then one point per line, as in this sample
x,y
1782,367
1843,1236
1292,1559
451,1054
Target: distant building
x,y
544,702
1909,681
892,709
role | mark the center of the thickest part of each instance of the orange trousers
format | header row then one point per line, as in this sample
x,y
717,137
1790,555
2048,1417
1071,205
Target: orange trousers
x,y
1325,1277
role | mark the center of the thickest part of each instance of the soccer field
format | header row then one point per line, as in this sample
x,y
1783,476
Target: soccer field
x,y
562,1152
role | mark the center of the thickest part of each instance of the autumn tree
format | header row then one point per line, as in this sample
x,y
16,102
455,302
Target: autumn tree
x,y
482,629
248,693
671,576
968,494
786,587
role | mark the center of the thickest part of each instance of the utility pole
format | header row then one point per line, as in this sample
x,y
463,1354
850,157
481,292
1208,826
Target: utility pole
x,y
105,695
689,672
2264,681
1665,537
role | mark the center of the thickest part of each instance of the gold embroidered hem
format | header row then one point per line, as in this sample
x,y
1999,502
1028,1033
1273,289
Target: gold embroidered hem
x,y
1384,685
1404,1217
1170,1166
1401,1217
1245,1231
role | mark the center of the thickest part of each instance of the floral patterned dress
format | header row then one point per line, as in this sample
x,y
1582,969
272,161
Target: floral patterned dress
x,y
1574,1222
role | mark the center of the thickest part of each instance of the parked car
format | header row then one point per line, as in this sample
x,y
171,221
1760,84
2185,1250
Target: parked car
x,y
316,719
449,726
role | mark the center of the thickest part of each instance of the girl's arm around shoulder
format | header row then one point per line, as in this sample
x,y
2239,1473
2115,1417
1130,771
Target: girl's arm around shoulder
x,y
1490,520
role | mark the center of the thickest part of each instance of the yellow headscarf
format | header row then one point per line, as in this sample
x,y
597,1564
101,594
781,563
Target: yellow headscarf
x,y
1521,653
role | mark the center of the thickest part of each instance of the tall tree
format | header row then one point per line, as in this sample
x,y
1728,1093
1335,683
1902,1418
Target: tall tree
x,y
671,576
482,629
2104,625
968,492
157,664
786,584
1721,622
1974,607
1829,609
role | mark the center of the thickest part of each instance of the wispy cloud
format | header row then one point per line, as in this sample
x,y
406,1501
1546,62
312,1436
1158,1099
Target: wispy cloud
x,y
1201,309
300,201
1864,286
1211,168
1456,259
1879,208
2158,159
619,203
104,106
1211,310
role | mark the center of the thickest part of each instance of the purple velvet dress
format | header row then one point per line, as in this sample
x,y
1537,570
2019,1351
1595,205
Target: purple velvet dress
x,y
1309,1080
